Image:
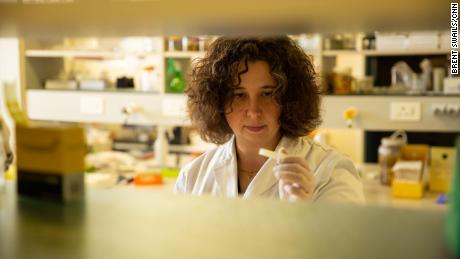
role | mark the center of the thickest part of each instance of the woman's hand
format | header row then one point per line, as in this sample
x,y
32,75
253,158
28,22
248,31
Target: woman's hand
x,y
296,181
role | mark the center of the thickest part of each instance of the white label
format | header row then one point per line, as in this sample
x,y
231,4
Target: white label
x,y
92,105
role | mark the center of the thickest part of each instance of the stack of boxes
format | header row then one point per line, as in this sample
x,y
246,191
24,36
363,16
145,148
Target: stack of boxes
x,y
419,165
50,161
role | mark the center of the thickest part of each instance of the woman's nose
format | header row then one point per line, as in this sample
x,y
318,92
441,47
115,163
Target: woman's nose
x,y
254,110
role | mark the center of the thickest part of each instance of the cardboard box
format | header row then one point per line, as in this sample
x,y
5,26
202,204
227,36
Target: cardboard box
x,y
442,165
452,85
415,187
407,182
425,40
390,41
52,149
62,188
51,161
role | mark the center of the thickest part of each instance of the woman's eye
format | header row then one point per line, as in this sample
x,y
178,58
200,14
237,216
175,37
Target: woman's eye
x,y
239,95
267,94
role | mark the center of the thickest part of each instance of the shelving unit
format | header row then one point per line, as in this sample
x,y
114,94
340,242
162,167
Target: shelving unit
x,y
107,107
41,63
88,58
47,60
357,57
165,110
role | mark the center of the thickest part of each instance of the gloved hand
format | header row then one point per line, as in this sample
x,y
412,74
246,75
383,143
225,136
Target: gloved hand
x,y
296,181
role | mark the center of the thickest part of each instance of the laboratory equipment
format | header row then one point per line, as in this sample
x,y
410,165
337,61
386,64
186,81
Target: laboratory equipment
x,y
271,154
402,75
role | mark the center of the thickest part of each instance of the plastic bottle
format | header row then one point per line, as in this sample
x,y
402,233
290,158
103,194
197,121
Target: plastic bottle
x,y
161,146
149,79
427,69
439,74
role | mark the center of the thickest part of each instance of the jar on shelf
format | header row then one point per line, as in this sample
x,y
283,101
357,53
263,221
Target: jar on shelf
x,y
204,42
342,81
174,43
190,43
369,41
389,152
185,43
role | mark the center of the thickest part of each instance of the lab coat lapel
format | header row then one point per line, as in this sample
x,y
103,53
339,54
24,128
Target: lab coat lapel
x,y
264,181
225,171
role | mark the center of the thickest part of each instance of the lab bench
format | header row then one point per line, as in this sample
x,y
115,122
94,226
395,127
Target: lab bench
x,y
375,193
121,223
379,194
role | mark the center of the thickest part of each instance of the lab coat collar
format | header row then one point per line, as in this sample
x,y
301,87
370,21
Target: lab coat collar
x,y
225,170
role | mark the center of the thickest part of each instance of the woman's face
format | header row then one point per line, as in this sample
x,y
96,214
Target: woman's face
x,y
254,114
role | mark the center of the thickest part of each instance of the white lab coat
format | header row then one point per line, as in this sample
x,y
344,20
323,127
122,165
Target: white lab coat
x,y
215,173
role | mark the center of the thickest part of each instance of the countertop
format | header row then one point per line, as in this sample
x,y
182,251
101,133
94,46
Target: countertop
x,y
121,223
375,193
378,194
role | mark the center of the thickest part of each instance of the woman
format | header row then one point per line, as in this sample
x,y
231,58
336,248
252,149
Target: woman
x,y
252,93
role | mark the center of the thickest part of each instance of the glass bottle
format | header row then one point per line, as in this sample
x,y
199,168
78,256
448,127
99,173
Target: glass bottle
x,y
177,84
389,152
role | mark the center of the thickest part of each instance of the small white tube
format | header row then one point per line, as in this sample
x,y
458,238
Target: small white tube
x,y
271,154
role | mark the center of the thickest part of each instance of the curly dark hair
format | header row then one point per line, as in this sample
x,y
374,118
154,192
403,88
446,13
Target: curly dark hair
x,y
214,77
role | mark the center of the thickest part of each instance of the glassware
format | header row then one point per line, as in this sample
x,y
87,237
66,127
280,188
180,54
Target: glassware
x,y
177,84
389,152
402,74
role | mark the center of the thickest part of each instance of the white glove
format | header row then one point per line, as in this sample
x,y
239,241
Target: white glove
x,y
296,181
